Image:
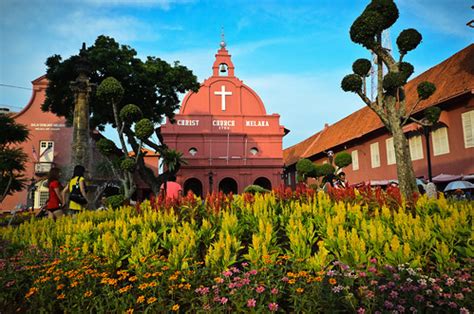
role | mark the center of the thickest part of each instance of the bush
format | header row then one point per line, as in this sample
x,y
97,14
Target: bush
x,y
408,40
131,113
128,164
352,83
110,90
115,201
365,27
392,81
362,67
144,129
425,90
304,166
342,159
253,188
106,146
406,69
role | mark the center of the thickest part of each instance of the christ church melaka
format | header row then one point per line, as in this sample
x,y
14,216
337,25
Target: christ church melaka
x,y
226,135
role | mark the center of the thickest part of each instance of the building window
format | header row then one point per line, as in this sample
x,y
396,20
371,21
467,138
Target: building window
x,y
390,151
254,151
416,147
440,141
192,151
355,160
468,128
46,151
375,155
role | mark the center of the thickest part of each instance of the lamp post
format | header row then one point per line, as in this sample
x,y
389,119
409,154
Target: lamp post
x,y
426,132
211,181
32,189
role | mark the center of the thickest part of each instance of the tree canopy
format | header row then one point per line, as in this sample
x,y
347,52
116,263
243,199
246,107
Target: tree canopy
x,y
12,159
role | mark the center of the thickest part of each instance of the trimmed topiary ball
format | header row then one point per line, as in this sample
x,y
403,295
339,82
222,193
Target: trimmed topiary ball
x,y
326,169
406,70
425,89
352,83
128,164
432,114
392,81
105,146
110,89
304,166
361,67
131,113
408,40
342,159
387,9
115,201
144,129
365,27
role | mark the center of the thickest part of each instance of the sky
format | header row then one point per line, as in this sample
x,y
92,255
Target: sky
x,y
292,53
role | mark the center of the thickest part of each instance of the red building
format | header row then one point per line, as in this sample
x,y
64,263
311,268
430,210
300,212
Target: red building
x,y
49,144
226,135
371,146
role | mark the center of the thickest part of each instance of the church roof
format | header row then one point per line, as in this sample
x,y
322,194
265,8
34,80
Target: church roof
x,y
452,77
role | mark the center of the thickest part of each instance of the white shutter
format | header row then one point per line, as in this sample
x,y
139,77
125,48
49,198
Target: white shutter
x,y
355,160
416,147
375,155
46,151
440,141
390,151
468,128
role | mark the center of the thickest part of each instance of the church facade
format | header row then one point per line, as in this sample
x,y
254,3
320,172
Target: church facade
x,y
227,138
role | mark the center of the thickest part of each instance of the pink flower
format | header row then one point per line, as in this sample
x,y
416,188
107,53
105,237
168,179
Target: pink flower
x,y
362,274
284,279
450,282
360,310
223,300
273,307
463,310
251,303
227,273
372,269
253,272
245,264
274,291
260,289
373,260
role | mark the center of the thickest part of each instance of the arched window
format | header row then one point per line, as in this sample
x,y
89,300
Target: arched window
x,y
228,185
263,182
254,151
193,185
193,151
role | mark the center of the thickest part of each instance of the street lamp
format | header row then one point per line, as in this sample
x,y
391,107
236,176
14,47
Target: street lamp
x,y
211,181
426,132
32,189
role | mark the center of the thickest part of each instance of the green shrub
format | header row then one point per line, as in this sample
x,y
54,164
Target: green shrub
x,y
253,188
144,129
352,83
115,201
131,113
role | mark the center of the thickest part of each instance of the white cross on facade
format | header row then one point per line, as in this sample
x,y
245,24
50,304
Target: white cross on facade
x,y
223,93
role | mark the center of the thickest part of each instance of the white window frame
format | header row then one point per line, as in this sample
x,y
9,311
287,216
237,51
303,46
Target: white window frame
x,y
355,160
375,155
46,151
416,147
468,128
440,140
390,147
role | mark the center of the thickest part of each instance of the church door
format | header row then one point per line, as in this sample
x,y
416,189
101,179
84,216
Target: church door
x,y
228,185
193,185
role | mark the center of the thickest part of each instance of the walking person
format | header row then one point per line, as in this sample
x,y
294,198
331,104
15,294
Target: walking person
x,y
77,191
54,204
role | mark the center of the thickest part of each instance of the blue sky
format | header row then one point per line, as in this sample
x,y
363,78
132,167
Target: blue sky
x,y
292,53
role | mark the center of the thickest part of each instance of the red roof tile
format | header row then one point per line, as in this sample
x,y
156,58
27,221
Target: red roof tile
x,y
452,77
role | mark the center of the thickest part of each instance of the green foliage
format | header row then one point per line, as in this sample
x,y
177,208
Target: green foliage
x,y
408,40
432,114
253,188
106,146
115,201
361,67
342,159
110,91
128,164
12,159
406,70
392,81
304,166
352,83
366,27
425,90
386,8
131,113
172,159
326,169
144,129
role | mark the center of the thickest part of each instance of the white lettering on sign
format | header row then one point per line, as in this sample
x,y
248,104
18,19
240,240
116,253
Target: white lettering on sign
x,y
223,124
258,123
188,122
47,126
223,93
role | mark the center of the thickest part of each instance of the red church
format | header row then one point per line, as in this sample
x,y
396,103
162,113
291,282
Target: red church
x,y
226,135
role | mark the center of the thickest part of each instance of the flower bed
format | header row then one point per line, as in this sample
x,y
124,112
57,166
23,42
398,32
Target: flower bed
x,y
285,251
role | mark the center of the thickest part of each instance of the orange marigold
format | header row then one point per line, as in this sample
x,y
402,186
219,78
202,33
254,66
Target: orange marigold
x,y
299,290
61,296
175,308
151,300
88,293
332,281
141,299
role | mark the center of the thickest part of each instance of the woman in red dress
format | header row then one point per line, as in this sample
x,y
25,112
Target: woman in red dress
x,y
55,202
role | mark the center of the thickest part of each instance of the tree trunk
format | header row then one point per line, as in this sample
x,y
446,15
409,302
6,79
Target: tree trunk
x,y
406,175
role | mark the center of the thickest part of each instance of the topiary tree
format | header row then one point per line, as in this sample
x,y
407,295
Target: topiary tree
x,y
12,159
141,90
342,159
305,168
389,105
